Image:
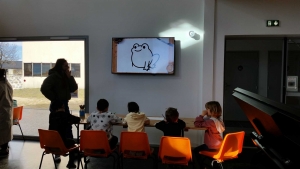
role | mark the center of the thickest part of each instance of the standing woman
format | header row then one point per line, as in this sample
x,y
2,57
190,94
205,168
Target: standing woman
x,y
59,85
6,117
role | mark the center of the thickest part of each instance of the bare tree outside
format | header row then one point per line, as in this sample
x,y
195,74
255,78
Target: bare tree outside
x,y
8,53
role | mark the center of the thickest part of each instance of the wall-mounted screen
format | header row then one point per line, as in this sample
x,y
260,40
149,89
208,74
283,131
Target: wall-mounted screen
x,y
146,55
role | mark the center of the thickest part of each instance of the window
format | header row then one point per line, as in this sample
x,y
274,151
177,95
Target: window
x,y
36,69
45,69
27,69
42,69
75,69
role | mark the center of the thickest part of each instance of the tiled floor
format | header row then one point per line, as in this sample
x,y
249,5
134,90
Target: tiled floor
x,y
27,155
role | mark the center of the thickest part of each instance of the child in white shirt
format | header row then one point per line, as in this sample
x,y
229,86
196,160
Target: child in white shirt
x,y
103,120
135,120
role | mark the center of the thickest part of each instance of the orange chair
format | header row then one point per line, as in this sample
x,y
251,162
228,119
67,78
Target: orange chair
x,y
175,150
135,145
232,145
95,143
17,116
51,142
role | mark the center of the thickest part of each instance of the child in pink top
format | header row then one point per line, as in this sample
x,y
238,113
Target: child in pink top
x,y
210,118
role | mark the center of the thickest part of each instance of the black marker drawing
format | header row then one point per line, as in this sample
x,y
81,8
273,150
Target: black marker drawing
x,y
142,57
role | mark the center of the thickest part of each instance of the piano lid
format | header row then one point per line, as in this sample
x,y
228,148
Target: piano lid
x,y
269,117
278,123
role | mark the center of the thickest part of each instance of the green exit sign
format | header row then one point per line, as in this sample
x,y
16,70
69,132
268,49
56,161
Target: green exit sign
x,y
272,23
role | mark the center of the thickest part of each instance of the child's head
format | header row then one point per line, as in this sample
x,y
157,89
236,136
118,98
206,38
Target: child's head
x,y
57,105
102,105
215,108
133,107
172,115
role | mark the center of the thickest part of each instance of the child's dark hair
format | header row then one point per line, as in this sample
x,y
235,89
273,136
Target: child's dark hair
x,y
133,107
56,104
102,104
215,108
172,115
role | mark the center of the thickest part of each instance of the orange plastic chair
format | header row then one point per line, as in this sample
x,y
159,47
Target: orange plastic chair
x,y
52,143
175,150
95,143
232,145
135,145
17,117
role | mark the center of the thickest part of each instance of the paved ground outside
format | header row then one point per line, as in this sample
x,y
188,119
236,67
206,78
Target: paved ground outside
x,y
34,119
36,110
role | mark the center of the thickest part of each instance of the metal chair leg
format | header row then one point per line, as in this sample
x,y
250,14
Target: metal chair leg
x,y
80,161
122,160
53,160
81,164
21,131
155,165
42,159
114,160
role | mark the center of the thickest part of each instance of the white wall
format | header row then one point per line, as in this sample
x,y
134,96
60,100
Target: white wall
x,y
101,20
49,52
248,17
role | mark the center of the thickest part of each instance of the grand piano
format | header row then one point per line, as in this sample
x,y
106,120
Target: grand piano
x,y
277,129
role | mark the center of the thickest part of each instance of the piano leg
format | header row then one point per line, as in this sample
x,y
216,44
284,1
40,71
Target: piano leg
x,y
261,161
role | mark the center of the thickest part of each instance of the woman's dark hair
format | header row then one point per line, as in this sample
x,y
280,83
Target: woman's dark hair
x,y
172,115
133,107
102,104
59,65
59,69
2,72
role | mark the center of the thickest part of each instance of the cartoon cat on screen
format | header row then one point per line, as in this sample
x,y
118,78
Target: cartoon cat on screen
x,y
142,57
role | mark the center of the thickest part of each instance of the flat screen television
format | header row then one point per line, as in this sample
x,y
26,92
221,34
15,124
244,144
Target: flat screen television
x,y
145,55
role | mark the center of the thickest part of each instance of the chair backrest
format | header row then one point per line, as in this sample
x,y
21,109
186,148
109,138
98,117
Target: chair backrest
x,y
134,145
232,145
17,113
51,141
94,143
175,150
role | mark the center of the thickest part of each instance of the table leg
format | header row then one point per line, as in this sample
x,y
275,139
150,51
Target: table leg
x,y
77,127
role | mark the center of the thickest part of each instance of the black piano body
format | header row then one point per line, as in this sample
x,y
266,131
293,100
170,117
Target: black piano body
x,y
277,128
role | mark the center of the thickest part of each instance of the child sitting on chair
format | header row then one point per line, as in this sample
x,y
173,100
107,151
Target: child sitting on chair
x,y
135,120
102,119
171,126
60,120
210,119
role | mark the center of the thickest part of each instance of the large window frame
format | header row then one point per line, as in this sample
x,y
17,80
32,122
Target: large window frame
x,y
30,69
